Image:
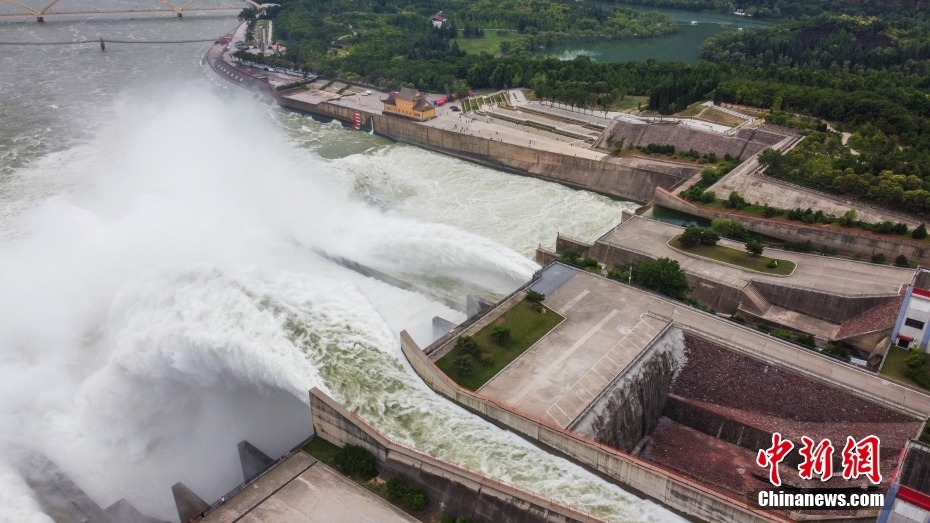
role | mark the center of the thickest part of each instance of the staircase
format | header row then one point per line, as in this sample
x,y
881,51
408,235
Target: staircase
x,y
754,300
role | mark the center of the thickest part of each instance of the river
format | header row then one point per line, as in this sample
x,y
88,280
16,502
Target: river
x,y
679,47
163,297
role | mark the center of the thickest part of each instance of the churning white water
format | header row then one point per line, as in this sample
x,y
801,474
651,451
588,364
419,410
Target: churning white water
x,y
162,296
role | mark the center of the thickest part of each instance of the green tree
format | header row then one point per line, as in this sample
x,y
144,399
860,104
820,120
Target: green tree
x,y
901,261
534,296
920,232
709,237
356,461
755,247
664,276
691,237
878,257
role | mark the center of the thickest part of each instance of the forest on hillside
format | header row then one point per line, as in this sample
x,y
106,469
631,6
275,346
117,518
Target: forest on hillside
x,y
863,69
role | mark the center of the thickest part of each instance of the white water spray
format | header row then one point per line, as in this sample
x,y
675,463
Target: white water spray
x,y
171,305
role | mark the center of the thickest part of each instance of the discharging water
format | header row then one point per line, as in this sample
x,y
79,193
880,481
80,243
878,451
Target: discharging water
x,y
163,299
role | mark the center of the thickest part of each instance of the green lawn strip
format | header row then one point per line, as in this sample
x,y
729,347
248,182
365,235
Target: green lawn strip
x,y
490,43
322,450
736,257
895,368
693,109
526,327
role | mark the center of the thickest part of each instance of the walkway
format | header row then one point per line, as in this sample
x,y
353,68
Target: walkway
x,y
822,273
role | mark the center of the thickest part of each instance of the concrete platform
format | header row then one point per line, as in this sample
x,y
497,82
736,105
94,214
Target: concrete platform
x,y
607,324
822,273
302,490
564,371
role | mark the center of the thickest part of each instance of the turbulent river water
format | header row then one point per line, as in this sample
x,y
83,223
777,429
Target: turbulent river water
x,y
161,289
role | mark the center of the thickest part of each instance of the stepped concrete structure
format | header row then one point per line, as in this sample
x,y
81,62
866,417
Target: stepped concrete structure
x,y
820,297
674,401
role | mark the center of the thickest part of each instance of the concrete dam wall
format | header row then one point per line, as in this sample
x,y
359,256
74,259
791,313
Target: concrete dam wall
x,y
630,407
600,176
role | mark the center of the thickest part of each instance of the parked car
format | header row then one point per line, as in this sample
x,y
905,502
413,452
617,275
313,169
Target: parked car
x,y
454,108
366,93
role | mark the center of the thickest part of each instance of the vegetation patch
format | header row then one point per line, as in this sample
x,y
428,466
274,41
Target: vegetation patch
x,y
476,359
324,451
911,367
490,43
736,257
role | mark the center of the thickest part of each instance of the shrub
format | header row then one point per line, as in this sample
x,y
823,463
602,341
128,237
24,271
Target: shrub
x,y
500,335
901,261
406,494
465,519
570,255
447,519
915,360
708,197
465,364
534,296
768,212
920,232
878,258
755,247
735,201
728,228
589,262
830,251
806,246
807,340
356,461
837,351
772,264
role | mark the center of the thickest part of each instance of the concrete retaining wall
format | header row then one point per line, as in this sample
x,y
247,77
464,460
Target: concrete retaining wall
x,y
673,490
828,307
450,488
847,240
630,407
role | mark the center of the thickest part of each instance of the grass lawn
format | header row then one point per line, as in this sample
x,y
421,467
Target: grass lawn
x,y
692,110
526,327
490,43
895,368
736,257
629,102
716,116
322,450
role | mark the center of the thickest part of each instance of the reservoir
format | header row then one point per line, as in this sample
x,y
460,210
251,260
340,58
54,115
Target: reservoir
x,y
679,47
163,293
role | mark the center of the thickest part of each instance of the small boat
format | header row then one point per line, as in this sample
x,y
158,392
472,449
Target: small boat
x,y
694,22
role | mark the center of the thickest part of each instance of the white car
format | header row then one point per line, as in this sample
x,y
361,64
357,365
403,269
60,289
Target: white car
x,y
366,93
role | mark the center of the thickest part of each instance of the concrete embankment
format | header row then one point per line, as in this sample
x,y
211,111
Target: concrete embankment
x,y
847,240
604,177
669,488
450,488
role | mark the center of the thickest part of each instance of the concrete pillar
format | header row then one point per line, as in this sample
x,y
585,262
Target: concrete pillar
x,y
441,326
188,503
123,512
475,305
253,461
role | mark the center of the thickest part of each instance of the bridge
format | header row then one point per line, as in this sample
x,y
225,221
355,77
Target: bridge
x,y
41,13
